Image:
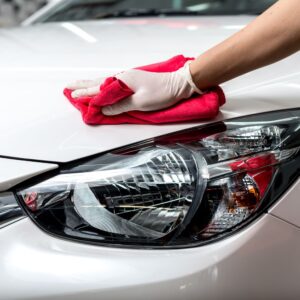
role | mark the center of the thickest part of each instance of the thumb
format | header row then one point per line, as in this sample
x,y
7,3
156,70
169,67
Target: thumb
x,y
119,107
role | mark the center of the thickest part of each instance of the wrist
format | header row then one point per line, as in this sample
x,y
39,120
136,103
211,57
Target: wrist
x,y
194,74
186,75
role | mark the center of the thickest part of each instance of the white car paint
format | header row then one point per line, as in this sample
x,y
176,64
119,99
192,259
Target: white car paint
x,y
16,171
288,208
37,123
48,128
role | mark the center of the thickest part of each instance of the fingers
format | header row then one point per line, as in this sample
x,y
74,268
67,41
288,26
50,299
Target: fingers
x,y
120,107
82,88
83,84
92,91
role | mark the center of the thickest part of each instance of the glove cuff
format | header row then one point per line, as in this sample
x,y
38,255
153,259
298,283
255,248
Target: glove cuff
x,y
189,79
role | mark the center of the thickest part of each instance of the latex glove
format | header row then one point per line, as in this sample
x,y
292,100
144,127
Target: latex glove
x,y
152,91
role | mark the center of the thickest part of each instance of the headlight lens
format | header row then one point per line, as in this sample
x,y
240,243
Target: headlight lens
x,y
182,189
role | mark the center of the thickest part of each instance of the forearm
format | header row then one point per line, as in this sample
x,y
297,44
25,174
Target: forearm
x,y
269,38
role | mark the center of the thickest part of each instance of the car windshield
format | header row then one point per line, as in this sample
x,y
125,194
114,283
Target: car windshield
x,y
72,10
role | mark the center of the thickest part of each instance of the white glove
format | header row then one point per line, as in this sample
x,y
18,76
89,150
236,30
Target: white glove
x,y
152,91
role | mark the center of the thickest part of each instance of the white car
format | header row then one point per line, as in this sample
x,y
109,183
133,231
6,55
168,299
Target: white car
x,y
206,210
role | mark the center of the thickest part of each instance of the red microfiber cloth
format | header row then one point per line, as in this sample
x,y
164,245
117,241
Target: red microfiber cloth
x,y
198,107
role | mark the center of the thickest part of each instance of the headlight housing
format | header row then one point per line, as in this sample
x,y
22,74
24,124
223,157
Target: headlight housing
x,y
183,189
10,211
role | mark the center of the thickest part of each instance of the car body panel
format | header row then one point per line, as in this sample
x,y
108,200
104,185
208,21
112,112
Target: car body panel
x,y
38,123
35,114
14,171
288,208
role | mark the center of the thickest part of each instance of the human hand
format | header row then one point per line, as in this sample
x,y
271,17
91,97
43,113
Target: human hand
x,y
152,91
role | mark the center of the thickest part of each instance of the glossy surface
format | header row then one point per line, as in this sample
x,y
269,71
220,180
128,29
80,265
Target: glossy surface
x,y
35,114
37,122
47,268
14,171
289,207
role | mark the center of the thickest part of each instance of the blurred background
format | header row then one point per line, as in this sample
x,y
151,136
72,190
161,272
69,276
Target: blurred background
x,y
12,12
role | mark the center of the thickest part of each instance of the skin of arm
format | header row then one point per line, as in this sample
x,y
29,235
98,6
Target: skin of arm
x,y
271,37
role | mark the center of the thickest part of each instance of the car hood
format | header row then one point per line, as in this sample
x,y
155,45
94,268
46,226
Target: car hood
x,y
38,123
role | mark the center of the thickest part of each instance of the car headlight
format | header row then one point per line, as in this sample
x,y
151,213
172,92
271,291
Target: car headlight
x,y
183,189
